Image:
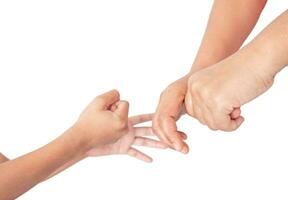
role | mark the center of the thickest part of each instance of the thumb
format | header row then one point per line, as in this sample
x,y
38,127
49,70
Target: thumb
x,y
235,113
122,109
235,123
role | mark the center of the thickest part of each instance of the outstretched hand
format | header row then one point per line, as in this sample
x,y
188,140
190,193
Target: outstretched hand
x,y
135,136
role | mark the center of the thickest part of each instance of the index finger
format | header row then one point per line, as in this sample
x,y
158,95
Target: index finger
x,y
141,118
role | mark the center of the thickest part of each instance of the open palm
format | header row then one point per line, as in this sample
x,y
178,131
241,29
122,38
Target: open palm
x,y
134,136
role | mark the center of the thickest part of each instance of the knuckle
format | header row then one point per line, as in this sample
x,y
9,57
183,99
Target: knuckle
x,y
209,122
233,127
195,87
218,124
226,127
212,127
205,93
194,84
126,103
100,100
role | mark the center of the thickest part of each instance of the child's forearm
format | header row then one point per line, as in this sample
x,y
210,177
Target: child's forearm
x,y
96,152
19,175
229,24
66,165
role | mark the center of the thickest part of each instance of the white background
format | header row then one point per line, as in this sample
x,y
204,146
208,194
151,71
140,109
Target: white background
x,y
56,55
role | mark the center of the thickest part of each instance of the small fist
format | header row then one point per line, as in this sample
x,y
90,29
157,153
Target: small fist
x,y
104,120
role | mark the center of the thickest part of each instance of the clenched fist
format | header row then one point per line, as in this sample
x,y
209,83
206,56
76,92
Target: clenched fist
x,y
215,94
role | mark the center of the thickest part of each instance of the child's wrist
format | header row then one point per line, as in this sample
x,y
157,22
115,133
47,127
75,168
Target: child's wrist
x,y
77,137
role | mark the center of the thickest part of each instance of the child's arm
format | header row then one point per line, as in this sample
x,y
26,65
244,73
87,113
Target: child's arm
x,y
19,175
230,22
97,128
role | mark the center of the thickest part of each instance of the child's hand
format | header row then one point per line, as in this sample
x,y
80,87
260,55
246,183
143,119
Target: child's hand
x,y
134,136
98,125
104,128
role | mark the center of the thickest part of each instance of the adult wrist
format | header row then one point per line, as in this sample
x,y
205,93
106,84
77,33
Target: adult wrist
x,y
260,60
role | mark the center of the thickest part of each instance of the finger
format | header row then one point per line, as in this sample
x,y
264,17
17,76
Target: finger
x,y
113,107
158,130
139,155
107,99
225,123
236,123
183,135
148,131
147,142
144,131
141,118
235,113
170,129
122,109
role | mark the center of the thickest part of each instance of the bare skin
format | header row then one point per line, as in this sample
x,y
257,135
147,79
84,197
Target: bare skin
x,y
3,158
103,128
215,94
229,24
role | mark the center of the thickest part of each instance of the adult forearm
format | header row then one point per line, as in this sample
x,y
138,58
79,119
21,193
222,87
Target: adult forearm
x,y
267,53
19,175
229,24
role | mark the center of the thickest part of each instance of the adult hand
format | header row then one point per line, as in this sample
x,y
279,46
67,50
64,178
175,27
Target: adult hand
x,y
215,94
